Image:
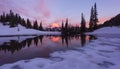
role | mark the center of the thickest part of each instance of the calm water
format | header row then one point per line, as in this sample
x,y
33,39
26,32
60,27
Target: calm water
x,y
17,48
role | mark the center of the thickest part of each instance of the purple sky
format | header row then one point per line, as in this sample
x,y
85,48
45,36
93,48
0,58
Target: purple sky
x,y
54,11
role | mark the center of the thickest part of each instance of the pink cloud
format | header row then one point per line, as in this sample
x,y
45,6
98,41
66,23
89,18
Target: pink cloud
x,y
42,7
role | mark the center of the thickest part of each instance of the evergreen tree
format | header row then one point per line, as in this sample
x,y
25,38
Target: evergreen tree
x,y
91,23
3,18
41,27
19,20
29,24
13,21
62,29
66,24
83,23
95,16
23,23
35,26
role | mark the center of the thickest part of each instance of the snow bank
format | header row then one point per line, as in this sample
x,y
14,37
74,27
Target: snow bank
x,y
99,54
6,31
107,30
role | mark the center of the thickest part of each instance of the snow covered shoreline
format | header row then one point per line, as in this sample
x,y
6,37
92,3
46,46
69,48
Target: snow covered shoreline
x,y
106,31
99,54
103,53
6,31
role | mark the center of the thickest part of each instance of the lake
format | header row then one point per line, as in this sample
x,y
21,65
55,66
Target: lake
x,y
15,48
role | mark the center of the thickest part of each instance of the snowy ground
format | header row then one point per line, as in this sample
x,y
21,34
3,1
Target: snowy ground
x,y
106,31
6,31
99,54
103,53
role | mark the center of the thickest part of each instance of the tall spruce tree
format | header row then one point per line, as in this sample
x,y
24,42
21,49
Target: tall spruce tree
x,y
95,16
83,23
23,23
41,27
62,28
4,18
66,25
35,26
91,23
29,24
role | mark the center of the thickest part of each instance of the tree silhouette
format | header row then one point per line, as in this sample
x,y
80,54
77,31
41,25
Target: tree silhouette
x,y
35,26
91,20
83,23
23,23
29,24
62,28
41,27
66,24
95,16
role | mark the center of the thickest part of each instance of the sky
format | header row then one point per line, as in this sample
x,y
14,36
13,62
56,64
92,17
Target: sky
x,y
56,11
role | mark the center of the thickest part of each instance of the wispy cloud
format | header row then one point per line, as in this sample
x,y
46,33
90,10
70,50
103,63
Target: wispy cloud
x,y
44,8
32,8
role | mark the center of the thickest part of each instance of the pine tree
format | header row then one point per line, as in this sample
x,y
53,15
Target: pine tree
x,y
41,27
91,19
83,23
95,16
12,19
23,23
29,24
3,18
66,26
62,29
35,26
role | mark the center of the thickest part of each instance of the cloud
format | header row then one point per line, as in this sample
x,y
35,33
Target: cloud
x,y
32,9
42,7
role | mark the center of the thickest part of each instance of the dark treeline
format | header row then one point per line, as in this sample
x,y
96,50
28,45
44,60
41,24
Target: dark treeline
x,y
115,21
13,20
67,29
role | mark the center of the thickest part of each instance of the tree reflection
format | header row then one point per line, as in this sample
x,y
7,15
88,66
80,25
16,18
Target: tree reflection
x,y
41,38
16,45
82,37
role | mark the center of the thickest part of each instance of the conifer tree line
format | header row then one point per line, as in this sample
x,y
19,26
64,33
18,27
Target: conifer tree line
x,y
67,29
13,20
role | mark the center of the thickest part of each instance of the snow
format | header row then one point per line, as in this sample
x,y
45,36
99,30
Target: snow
x,y
106,30
7,31
103,53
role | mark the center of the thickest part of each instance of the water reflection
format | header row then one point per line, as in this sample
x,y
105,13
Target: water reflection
x,y
82,38
28,47
16,45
